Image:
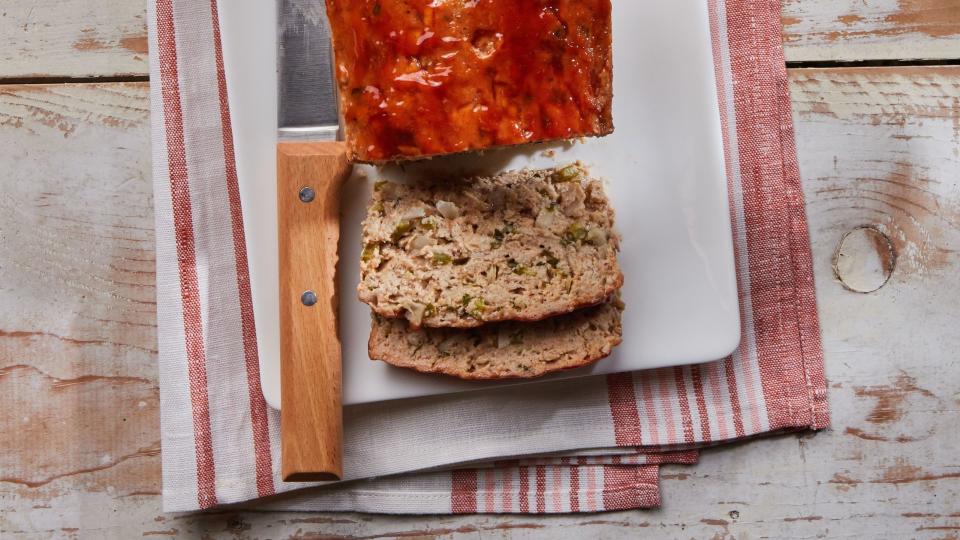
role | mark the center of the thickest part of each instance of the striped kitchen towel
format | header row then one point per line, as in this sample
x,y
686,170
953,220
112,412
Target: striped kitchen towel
x,y
568,446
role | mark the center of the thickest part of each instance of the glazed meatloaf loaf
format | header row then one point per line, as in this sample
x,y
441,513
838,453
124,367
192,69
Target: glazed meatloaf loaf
x,y
460,253
420,77
503,350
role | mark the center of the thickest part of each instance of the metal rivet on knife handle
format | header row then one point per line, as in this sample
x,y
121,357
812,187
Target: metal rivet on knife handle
x,y
308,298
307,194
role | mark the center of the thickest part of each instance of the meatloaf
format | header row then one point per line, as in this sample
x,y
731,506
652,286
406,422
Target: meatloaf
x,y
424,77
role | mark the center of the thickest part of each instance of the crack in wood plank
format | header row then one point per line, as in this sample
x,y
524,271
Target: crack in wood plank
x,y
72,341
141,452
59,383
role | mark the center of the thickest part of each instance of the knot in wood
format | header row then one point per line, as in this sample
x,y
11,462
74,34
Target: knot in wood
x,y
864,259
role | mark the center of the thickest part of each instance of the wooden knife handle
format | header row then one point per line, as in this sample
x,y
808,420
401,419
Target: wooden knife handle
x,y
309,178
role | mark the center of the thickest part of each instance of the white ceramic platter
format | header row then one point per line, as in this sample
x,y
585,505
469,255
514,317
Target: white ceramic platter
x,y
664,171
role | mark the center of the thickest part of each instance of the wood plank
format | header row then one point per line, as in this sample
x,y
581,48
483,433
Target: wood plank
x,y
72,38
97,38
819,30
878,147
77,309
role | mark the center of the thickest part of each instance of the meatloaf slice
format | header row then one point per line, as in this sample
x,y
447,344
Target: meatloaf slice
x,y
503,350
463,252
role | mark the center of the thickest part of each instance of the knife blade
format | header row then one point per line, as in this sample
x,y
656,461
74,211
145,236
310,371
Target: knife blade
x,y
307,93
311,168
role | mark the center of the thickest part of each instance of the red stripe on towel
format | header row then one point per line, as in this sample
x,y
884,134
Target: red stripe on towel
x,y
574,489
258,406
524,489
186,253
697,378
464,492
541,488
623,409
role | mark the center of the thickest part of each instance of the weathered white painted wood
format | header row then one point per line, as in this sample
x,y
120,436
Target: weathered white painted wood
x,y
87,38
871,29
78,374
878,147
72,38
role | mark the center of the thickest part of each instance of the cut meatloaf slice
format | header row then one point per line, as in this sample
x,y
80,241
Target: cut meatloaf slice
x,y
503,350
523,246
420,78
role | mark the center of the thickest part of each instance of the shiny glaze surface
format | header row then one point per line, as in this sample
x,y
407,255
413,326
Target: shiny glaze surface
x,y
426,77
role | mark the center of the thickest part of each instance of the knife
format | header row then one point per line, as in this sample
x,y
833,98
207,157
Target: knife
x,y
312,165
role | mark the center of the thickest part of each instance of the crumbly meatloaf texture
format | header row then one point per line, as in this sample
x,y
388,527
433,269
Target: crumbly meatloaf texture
x,y
503,350
460,253
420,78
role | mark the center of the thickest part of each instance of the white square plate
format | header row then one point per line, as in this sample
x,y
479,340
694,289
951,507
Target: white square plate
x,y
663,166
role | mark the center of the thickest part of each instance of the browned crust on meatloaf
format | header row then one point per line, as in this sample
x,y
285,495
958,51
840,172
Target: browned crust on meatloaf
x,y
426,78
503,350
519,246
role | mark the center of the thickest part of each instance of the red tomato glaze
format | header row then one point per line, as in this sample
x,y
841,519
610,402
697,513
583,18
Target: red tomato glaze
x,y
427,77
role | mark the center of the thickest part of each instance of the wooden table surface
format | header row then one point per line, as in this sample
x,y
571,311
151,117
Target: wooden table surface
x,y
876,91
